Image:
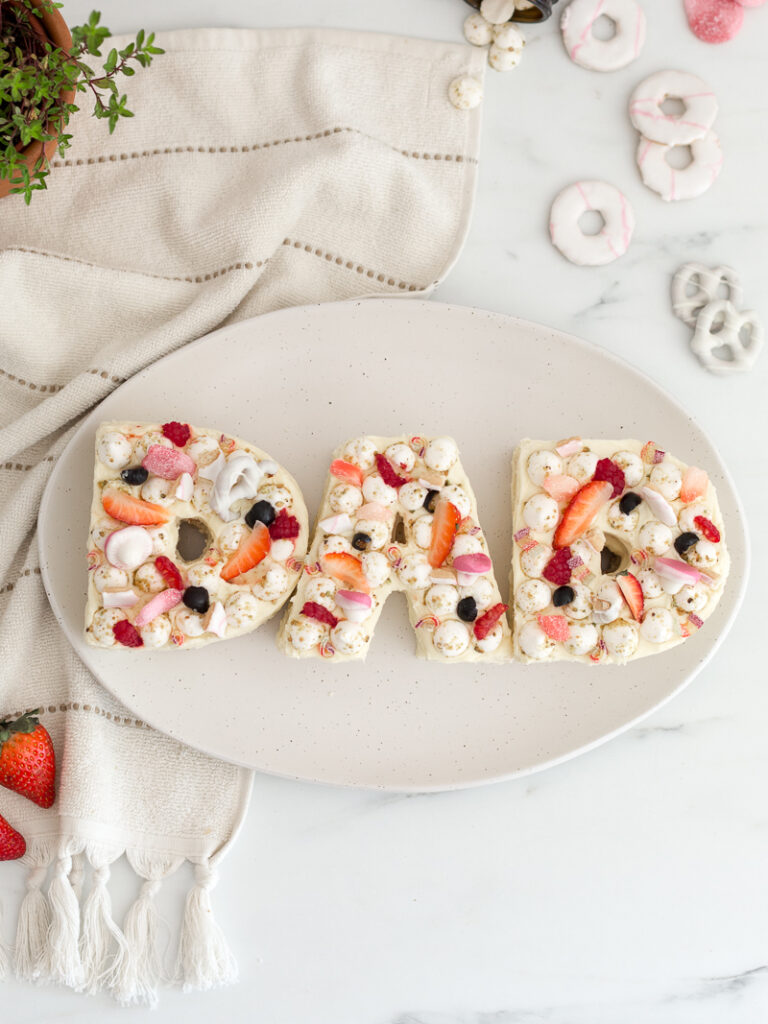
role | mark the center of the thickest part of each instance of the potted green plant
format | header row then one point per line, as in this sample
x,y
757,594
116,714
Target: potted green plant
x,y
42,68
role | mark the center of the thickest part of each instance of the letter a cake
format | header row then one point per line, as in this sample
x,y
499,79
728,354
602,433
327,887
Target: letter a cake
x,y
398,514
194,537
619,550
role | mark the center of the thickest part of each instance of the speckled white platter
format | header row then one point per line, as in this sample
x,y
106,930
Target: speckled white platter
x,y
297,383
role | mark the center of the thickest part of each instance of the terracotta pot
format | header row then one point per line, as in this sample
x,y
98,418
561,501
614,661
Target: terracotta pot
x,y
55,28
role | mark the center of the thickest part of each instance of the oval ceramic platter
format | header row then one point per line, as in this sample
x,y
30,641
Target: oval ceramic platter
x,y
299,382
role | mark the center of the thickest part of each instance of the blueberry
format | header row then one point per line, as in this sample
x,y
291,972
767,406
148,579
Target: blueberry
x,y
360,541
466,609
134,475
429,504
563,595
685,541
197,598
629,502
261,512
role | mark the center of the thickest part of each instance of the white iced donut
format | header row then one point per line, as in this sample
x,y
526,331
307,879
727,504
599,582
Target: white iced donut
x,y
673,129
613,238
674,183
595,54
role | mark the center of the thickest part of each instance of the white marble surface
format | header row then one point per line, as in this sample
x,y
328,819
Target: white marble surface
x,y
627,886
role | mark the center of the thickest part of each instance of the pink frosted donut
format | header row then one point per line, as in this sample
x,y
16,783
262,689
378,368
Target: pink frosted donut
x,y
672,183
610,242
583,46
673,129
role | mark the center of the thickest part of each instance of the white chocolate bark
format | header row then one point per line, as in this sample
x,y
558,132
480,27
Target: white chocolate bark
x,y
395,558
239,606
602,626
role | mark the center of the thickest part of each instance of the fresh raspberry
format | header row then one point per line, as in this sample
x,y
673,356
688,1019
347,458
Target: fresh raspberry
x,y
313,610
127,634
707,528
169,572
179,433
284,526
488,620
556,627
388,475
558,569
607,470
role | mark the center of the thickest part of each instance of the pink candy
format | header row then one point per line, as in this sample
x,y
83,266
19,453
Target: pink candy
x,y
472,564
716,21
167,463
356,606
672,569
374,511
160,603
560,487
569,447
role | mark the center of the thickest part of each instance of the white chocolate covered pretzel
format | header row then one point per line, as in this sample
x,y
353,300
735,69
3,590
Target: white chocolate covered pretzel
x,y
727,340
705,282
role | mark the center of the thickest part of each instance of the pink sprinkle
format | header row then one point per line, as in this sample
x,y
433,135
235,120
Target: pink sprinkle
x,y
522,533
695,621
658,455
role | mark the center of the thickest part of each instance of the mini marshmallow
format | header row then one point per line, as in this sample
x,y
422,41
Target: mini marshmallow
x,y
542,464
451,638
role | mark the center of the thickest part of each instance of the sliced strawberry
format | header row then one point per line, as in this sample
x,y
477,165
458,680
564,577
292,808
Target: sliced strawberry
x,y
695,482
446,520
346,471
561,488
485,623
583,508
630,587
127,509
169,572
346,569
707,529
556,627
252,550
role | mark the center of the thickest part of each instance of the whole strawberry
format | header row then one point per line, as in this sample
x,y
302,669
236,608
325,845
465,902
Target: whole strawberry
x,y
27,763
12,843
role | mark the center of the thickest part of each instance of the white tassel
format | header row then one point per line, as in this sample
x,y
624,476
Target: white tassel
x,y
3,960
205,960
34,914
63,942
135,979
102,943
77,874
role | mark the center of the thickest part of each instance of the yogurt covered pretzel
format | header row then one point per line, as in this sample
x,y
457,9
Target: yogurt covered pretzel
x,y
583,46
688,182
613,238
706,282
672,129
742,351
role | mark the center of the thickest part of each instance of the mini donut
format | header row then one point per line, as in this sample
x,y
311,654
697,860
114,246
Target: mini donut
x,y
613,238
673,129
583,46
150,585
630,570
674,183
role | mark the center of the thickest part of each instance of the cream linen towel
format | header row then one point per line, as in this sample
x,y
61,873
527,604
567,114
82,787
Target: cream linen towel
x,y
262,170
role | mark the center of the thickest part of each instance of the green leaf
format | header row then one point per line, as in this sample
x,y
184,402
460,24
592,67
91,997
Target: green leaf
x,y
111,62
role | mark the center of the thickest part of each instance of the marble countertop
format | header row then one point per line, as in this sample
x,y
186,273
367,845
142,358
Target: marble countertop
x,y
626,886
